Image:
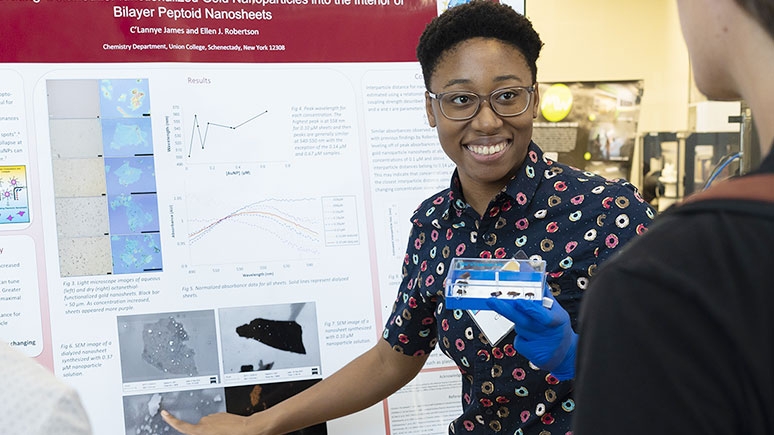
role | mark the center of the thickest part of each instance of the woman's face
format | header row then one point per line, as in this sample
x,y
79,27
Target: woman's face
x,y
488,148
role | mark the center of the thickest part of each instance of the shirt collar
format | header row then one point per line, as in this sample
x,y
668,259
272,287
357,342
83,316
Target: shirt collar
x,y
520,189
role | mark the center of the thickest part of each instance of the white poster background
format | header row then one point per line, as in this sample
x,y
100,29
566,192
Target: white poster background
x,y
276,186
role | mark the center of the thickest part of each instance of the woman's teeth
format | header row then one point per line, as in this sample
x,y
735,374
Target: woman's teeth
x,y
487,149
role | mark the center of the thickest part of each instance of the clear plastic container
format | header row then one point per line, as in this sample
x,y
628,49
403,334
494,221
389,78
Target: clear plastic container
x,y
471,281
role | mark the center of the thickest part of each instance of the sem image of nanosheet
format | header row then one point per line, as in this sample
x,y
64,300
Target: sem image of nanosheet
x,y
165,349
161,346
269,337
249,399
282,335
142,413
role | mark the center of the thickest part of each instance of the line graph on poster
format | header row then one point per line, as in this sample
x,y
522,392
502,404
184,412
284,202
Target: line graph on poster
x,y
270,229
267,229
256,213
218,135
200,138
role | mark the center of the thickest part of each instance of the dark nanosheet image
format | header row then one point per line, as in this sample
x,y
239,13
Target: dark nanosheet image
x,y
249,399
270,337
282,335
164,347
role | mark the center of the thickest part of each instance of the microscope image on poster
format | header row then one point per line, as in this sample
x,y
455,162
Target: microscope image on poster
x,y
164,346
142,413
249,399
279,339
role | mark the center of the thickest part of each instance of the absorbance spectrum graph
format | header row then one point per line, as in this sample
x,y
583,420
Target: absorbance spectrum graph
x,y
264,230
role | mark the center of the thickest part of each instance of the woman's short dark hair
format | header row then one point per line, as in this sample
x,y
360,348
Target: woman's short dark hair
x,y
479,18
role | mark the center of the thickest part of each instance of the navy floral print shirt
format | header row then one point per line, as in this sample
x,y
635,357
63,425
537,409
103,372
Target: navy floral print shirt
x,y
574,220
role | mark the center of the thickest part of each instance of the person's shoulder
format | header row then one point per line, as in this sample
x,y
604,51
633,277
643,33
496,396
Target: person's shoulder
x,y
59,409
591,183
748,195
434,206
676,237
564,171
27,374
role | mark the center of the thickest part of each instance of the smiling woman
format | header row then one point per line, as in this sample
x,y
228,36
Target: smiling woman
x,y
487,147
504,199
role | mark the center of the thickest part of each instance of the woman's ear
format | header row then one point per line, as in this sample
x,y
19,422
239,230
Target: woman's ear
x,y
429,110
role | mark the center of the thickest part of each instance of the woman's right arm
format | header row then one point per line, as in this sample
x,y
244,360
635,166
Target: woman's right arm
x,y
368,379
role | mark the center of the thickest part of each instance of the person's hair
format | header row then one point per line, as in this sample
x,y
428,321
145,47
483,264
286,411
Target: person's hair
x,y
762,11
479,18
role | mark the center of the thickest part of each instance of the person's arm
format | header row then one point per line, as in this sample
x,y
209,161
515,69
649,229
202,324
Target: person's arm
x,y
368,379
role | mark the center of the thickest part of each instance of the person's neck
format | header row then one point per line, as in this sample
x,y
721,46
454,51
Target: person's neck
x,y
755,81
479,196
760,98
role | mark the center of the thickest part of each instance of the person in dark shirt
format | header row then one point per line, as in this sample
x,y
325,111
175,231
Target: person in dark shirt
x,y
686,345
479,65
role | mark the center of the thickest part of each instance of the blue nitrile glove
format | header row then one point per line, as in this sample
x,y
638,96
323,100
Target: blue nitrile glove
x,y
543,335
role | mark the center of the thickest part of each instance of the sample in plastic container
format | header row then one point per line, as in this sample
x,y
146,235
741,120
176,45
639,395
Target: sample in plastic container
x,y
471,281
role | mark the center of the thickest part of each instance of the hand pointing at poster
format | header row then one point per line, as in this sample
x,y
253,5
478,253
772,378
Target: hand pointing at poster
x,y
363,382
214,424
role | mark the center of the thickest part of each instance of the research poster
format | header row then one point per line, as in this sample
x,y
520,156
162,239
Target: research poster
x,y
204,204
